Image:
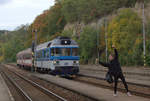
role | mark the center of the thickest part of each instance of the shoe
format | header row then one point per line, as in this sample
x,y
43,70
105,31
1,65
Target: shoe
x,y
114,95
129,94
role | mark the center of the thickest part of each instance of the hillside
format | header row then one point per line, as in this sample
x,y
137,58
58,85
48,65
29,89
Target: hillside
x,y
87,22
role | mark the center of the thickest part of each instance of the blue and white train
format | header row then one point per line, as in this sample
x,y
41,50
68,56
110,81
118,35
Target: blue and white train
x,y
59,56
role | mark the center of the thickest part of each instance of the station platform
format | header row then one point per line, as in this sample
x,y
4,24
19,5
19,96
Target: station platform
x,y
5,94
145,71
144,80
97,93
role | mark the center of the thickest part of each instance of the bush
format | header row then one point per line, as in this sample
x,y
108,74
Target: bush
x,y
148,60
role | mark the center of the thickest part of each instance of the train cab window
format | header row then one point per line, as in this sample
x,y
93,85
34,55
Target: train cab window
x,y
66,51
74,51
57,52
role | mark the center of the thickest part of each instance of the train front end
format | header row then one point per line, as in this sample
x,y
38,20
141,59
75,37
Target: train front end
x,y
65,57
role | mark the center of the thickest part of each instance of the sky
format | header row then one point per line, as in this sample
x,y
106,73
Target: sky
x,y
14,13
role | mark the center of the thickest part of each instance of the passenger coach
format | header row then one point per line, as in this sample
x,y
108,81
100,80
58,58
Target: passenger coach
x,y
59,56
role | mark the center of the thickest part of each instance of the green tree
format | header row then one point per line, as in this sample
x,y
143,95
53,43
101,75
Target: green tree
x,y
124,31
86,11
87,43
12,43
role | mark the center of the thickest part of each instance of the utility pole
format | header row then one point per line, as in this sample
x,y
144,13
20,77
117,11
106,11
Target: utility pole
x,y
34,45
144,43
35,37
97,39
106,51
33,56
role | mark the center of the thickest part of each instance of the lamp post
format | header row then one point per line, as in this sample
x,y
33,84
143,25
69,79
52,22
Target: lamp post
x,y
144,36
35,47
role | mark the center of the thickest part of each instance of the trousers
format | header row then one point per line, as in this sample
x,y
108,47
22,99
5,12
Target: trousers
x,y
116,77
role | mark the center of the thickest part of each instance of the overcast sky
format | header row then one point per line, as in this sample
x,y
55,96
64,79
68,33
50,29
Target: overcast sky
x,y
13,13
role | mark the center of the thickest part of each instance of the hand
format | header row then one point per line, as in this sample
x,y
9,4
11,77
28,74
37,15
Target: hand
x,y
113,46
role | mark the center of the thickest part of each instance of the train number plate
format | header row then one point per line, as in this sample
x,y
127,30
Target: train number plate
x,y
66,63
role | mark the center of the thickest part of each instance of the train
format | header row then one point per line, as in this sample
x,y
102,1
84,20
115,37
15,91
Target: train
x,y
59,56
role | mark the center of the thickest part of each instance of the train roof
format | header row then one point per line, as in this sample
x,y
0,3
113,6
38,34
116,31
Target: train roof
x,y
27,51
58,42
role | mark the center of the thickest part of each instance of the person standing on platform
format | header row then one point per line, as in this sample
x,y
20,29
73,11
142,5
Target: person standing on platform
x,y
114,69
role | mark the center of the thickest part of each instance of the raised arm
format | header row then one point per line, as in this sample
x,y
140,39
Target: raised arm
x,y
104,64
116,53
115,50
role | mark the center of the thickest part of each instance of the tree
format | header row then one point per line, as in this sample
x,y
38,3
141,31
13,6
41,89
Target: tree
x,y
124,31
87,43
47,24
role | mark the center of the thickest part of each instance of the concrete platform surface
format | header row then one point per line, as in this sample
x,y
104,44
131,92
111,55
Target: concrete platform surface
x,y
98,93
5,94
134,79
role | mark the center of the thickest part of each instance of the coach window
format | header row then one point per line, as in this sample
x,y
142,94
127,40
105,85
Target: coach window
x,y
47,53
44,53
27,56
38,54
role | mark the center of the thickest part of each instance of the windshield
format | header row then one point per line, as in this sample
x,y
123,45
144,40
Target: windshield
x,y
64,52
74,51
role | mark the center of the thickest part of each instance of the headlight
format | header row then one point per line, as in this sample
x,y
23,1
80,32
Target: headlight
x,y
55,62
76,62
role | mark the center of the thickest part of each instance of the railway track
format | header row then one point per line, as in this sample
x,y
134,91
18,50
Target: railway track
x,y
30,90
69,94
135,88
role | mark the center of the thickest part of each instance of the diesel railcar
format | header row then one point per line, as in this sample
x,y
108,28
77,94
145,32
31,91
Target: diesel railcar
x,y
59,57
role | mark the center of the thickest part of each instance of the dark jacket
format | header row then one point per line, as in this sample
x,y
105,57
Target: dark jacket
x,y
114,67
